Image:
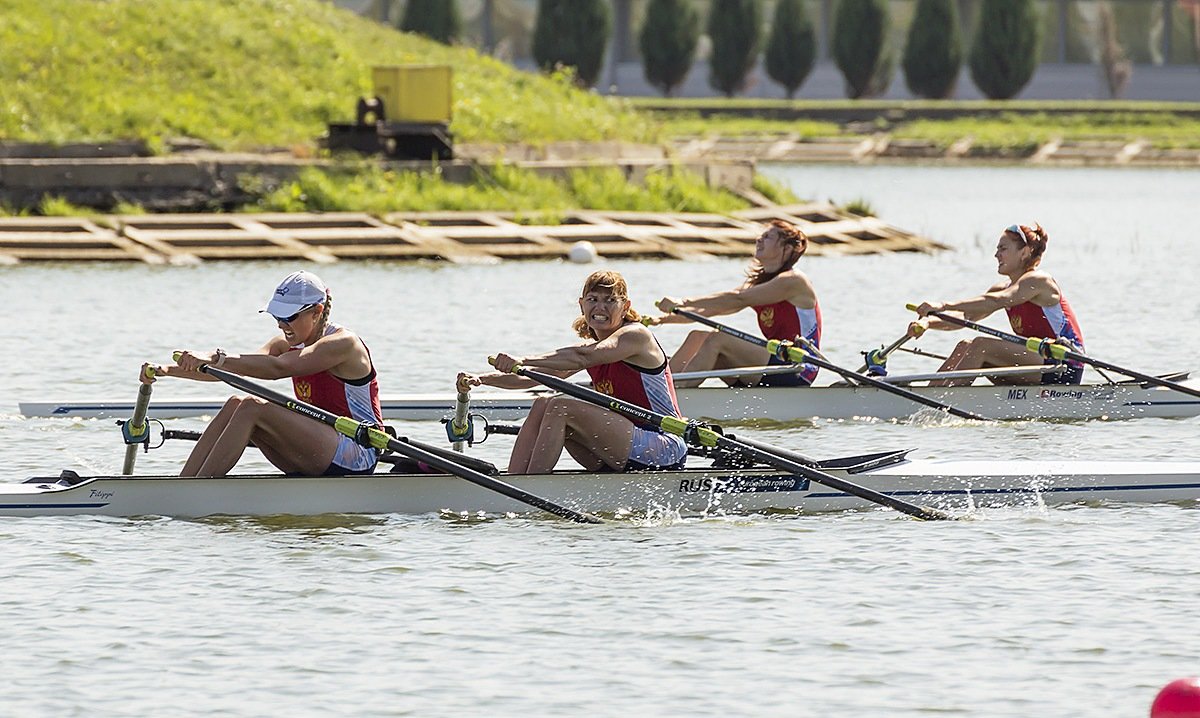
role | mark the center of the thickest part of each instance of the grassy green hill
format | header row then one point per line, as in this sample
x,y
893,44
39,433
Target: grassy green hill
x,y
249,73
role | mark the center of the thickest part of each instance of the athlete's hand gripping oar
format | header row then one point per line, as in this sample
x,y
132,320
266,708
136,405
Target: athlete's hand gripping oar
x,y
377,438
698,435
785,350
136,430
1049,349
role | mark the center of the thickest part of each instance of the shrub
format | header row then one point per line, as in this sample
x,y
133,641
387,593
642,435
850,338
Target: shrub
x,y
1004,53
791,46
435,19
733,27
860,46
933,53
668,42
572,33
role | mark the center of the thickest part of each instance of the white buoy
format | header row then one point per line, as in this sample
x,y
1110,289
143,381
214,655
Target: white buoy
x,y
582,252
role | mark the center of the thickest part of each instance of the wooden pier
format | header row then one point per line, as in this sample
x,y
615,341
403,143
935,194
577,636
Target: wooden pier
x,y
441,236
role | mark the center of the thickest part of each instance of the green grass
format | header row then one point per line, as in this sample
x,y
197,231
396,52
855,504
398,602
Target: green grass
x,y
536,199
1024,132
860,207
243,74
1006,132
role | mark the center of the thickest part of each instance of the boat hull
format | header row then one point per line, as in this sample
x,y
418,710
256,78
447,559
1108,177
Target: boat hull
x,y
951,485
1089,401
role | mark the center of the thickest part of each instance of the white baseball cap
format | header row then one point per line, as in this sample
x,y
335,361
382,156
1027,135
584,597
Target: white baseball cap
x,y
297,291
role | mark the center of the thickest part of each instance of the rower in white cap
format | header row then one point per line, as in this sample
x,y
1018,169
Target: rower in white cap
x,y
330,367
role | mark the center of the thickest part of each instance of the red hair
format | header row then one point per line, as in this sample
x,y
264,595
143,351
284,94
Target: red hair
x,y
792,237
1033,237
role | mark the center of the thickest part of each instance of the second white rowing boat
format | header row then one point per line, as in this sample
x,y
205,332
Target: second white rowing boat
x,y
1054,402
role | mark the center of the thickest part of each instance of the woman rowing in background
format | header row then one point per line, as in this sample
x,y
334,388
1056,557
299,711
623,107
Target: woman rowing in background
x,y
783,299
329,367
625,361
1035,306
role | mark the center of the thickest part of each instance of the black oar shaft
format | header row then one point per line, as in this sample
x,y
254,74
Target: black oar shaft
x,y
707,437
818,361
1058,351
381,440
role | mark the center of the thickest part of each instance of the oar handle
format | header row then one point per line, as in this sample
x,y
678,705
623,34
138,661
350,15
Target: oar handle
x,y
365,433
669,424
1048,348
788,351
697,434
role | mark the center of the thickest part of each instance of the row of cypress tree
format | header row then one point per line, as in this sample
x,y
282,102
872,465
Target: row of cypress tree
x,y
574,33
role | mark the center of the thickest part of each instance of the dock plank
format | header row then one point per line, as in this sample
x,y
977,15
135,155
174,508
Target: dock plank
x,y
475,237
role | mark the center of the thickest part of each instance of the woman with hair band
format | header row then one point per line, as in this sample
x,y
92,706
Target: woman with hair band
x,y
330,367
783,299
625,361
1035,306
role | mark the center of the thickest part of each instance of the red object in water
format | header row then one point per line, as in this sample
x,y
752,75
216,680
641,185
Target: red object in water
x,y
1178,699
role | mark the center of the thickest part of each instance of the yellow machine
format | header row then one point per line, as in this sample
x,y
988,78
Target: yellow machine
x,y
414,93
408,118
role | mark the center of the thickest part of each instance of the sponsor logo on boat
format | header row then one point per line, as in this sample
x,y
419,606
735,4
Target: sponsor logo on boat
x,y
97,494
1060,394
743,484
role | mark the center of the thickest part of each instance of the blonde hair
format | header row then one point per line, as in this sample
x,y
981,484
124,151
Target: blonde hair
x,y
606,281
323,320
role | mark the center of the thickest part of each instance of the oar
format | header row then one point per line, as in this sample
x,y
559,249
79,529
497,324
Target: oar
x,y
375,437
135,429
785,350
459,427
698,435
1049,349
923,353
880,355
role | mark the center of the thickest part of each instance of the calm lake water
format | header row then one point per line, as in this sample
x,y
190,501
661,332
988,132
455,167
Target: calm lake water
x,y
1080,611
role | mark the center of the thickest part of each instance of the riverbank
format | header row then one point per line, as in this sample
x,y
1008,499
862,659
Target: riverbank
x,y
1110,133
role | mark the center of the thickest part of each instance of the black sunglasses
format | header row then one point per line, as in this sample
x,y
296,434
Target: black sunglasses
x,y
289,320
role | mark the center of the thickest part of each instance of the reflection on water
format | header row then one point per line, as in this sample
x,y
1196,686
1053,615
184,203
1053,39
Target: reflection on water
x,y
307,526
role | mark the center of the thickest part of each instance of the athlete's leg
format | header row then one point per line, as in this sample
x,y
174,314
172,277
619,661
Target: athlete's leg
x,y
984,352
211,433
722,351
518,462
683,355
606,435
309,445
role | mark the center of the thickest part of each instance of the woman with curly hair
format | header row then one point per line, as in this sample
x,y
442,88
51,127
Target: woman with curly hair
x,y
624,361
